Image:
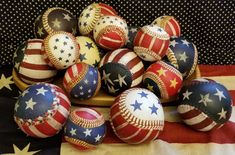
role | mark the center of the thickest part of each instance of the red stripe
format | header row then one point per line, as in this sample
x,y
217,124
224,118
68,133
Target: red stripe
x,y
35,80
232,94
217,70
35,41
46,129
133,62
146,41
28,131
35,66
33,52
85,114
106,58
142,134
59,118
137,38
120,55
138,74
225,134
206,122
166,46
105,12
157,45
190,114
176,26
169,30
109,44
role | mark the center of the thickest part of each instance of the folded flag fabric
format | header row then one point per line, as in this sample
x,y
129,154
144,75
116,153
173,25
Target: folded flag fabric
x,y
176,138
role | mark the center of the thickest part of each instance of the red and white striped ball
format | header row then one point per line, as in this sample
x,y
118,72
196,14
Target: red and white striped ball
x,y
85,128
120,70
42,110
111,32
91,14
151,43
204,104
137,116
61,50
30,64
169,24
163,79
82,81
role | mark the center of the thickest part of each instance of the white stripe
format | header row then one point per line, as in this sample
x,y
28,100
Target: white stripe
x,y
64,97
172,28
152,43
232,118
121,126
185,108
178,26
34,45
162,47
112,40
137,67
133,135
35,59
137,81
209,127
127,57
146,137
37,74
141,39
63,111
158,147
75,70
67,77
54,123
113,55
35,131
115,115
196,119
106,9
227,81
94,113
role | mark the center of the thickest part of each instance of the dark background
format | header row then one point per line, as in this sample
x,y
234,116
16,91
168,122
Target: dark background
x,y
209,24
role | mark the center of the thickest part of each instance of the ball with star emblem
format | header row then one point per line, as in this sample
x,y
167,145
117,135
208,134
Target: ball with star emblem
x,y
90,16
55,19
151,43
204,104
85,128
163,79
169,24
29,63
137,116
42,110
82,81
185,53
89,52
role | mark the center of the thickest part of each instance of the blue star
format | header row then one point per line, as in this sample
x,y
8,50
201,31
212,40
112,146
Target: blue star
x,y
89,45
136,105
143,94
154,109
82,57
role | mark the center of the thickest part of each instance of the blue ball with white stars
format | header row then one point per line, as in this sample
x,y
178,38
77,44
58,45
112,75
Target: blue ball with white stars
x,y
204,104
185,53
85,128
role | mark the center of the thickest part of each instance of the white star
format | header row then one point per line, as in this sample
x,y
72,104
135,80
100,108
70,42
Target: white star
x,y
112,90
90,72
41,91
173,43
81,87
205,99
222,114
17,106
89,91
6,82
67,17
86,81
106,78
87,132
133,30
24,92
97,138
94,82
73,131
17,64
81,93
56,23
183,57
121,80
30,104
185,42
186,95
24,151
220,94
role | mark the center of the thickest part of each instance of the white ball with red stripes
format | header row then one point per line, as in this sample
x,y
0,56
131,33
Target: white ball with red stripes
x,y
204,104
42,110
30,64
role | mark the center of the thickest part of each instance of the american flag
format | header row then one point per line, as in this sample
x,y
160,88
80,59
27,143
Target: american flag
x,y
176,137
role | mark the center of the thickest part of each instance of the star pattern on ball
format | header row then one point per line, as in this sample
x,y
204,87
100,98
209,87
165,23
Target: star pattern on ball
x,y
56,23
222,114
87,132
136,105
153,109
30,104
121,80
82,57
150,87
73,132
205,99
173,43
112,89
161,72
89,45
97,138
143,94
186,94
185,42
24,151
173,83
40,31
41,91
106,78
183,57
220,94
66,17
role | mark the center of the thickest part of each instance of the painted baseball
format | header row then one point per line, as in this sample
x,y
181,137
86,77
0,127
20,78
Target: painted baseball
x,y
137,116
85,128
42,110
204,104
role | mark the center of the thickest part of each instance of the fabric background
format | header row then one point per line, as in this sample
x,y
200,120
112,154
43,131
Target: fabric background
x,y
209,24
